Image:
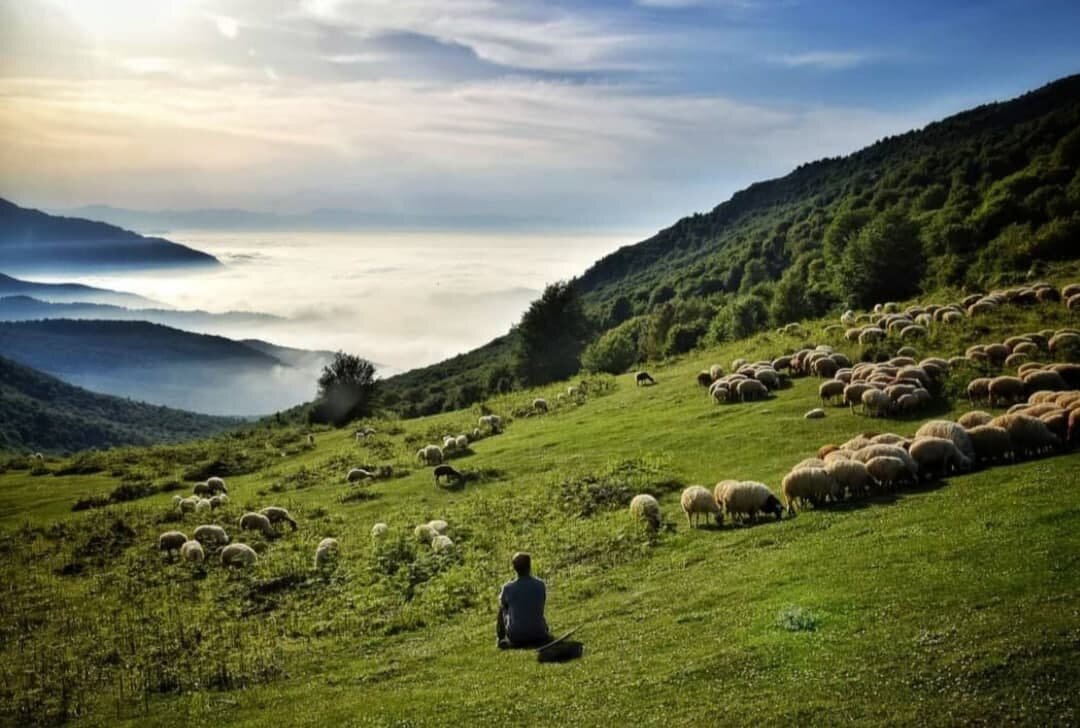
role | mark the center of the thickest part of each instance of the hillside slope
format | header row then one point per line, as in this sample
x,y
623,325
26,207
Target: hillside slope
x,y
27,308
34,240
949,603
163,365
41,413
986,197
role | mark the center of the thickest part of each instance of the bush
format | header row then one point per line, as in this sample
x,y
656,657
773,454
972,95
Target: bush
x,y
614,352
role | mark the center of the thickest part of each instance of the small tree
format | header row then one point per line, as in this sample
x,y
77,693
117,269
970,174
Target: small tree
x,y
615,351
346,389
551,336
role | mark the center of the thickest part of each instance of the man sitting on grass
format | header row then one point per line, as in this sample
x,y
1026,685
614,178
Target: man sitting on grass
x,y
521,608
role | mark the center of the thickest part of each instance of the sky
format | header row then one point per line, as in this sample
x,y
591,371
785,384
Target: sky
x,y
596,114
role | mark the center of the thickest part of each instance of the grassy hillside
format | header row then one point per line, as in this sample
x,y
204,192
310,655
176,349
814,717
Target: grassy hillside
x,y
987,197
41,413
34,240
954,603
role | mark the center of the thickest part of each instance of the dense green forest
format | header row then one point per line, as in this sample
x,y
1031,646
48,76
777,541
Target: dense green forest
x,y
41,413
987,197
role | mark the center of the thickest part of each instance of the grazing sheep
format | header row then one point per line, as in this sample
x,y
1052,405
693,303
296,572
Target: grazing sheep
x,y
462,442
192,551
751,389
815,414
876,403
438,525
1049,381
357,474
202,505
379,530
430,455
850,476
211,535
493,422
747,498
201,489
447,471
939,455
449,444
890,438
949,431
697,500
704,379
326,552
973,419
887,472
217,501
187,505
540,404
171,541
870,452
645,508
424,533
257,522
1006,390
217,485
277,514
832,391
811,485
853,394
1029,435
441,543
238,554
643,378
992,444
1064,340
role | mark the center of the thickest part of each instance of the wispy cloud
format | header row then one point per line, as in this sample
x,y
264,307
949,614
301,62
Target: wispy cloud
x,y
227,26
825,60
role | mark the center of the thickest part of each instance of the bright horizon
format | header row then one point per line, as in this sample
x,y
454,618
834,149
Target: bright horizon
x,y
592,115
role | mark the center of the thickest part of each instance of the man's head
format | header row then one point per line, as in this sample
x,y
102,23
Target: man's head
x,y
522,563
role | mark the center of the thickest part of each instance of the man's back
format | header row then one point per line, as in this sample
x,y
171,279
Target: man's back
x,y
524,600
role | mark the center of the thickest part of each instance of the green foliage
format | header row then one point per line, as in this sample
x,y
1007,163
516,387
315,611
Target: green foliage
x,y
884,262
615,351
347,389
738,319
551,336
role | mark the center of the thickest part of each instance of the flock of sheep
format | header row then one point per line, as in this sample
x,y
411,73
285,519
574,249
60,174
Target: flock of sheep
x,y
211,536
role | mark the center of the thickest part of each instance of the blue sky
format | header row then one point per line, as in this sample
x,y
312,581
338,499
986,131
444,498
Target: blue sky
x,y
593,114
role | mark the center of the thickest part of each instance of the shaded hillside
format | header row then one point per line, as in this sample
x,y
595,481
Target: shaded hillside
x,y
986,197
70,293
160,364
41,413
34,240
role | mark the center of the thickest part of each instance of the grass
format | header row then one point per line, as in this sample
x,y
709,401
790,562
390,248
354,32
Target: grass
x,y
956,603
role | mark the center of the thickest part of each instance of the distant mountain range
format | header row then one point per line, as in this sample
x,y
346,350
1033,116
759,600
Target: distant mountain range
x,y
325,219
28,308
167,366
41,413
70,293
31,240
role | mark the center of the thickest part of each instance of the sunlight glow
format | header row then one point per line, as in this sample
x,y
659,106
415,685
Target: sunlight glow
x,y
110,18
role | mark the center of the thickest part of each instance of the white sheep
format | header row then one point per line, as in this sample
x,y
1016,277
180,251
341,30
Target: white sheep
x,y
357,474
257,522
938,455
326,552
217,485
217,501
202,505
439,526
424,533
211,535
992,444
171,541
808,485
192,551
462,442
238,554
850,476
646,508
887,471
747,498
187,505
379,530
949,431
430,455
441,543
698,500
277,514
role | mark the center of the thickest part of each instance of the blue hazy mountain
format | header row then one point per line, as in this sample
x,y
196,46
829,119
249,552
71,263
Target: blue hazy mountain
x,y
31,240
166,366
70,293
